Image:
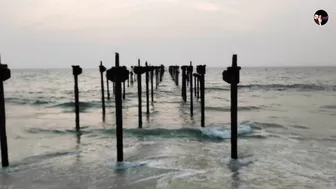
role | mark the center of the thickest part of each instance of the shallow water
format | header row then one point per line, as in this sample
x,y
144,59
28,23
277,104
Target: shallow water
x,y
287,133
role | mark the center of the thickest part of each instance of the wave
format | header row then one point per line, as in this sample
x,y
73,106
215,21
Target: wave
x,y
329,106
262,125
56,131
33,161
299,87
212,133
277,87
82,105
56,103
227,109
23,101
126,165
69,107
207,133
216,88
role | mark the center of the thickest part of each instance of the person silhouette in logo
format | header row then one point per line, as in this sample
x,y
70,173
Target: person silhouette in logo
x,y
316,17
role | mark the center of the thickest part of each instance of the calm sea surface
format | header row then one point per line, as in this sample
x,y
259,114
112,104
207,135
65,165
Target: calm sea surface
x,y
287,133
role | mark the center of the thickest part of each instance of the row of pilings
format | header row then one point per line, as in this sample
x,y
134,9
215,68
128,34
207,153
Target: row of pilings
x,y
119,75
187,79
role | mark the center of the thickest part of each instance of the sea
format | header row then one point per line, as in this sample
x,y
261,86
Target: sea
x,y
286,134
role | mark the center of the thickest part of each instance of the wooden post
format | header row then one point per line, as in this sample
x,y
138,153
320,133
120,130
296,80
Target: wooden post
x,y
108,89
156,77
234,108
177,75
152,84
4,75
231,76
76,70
147,88
77,102
198,87
162,70
118,105
184,91
139,97
102,69
201,71
195,85
190,72
202,100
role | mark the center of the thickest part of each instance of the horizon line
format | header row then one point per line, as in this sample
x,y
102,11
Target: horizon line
x,y
194,65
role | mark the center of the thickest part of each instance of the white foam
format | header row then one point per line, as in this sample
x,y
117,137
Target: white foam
x,y
224,132
9,169
127,165
235,165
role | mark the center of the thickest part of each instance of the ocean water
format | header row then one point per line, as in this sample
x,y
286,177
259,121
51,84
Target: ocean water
x,y
287,133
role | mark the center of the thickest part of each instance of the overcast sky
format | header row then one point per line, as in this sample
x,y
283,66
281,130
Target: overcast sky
x,y
59,33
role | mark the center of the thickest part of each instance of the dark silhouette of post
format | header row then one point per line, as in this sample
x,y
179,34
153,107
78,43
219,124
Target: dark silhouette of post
x,y
184,91
128,82
170,70
201,71
118,75
138,70
194,84
5,74
102,69
174,71
177,75
118,105
152,83
231,76
157,77
190,75
108,89
76,70
147,88
162,70
198,86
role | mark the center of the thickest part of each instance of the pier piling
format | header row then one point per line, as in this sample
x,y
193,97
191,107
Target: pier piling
x,y
76,71
147,89
190,75
138,70
201,71
184,83
152,83
118,75
5,74
102,69
231,76
108,89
